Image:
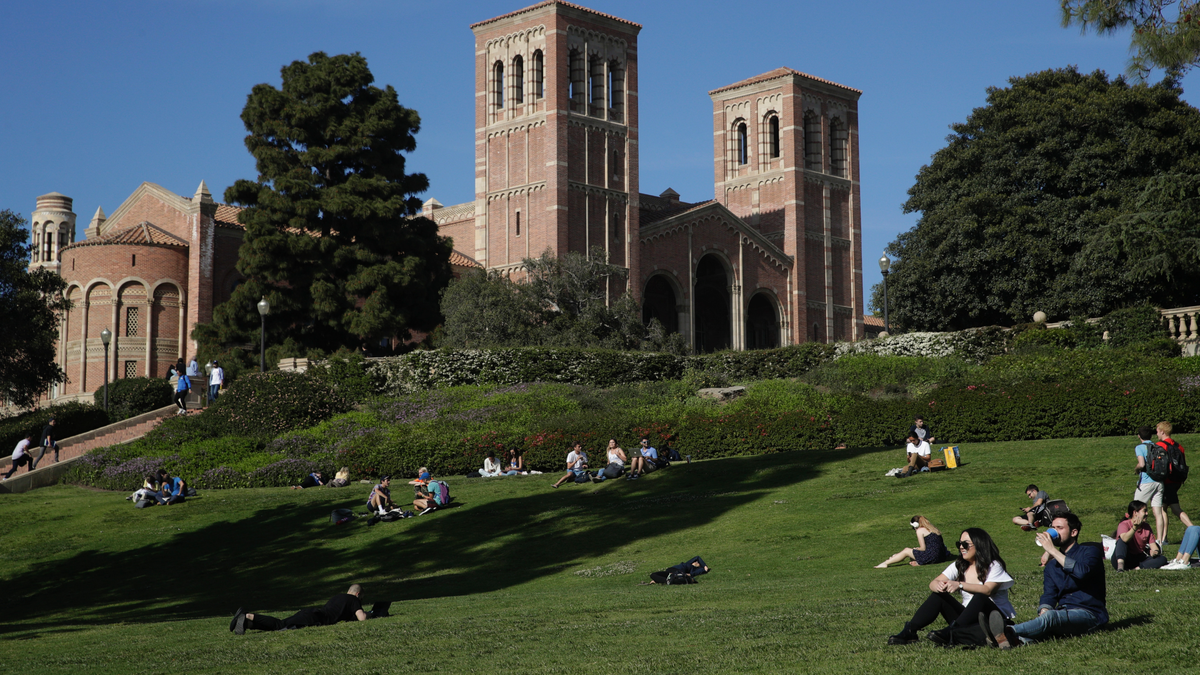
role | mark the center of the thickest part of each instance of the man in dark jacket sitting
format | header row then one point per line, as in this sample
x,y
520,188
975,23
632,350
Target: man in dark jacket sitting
x,y
1073,591
342,607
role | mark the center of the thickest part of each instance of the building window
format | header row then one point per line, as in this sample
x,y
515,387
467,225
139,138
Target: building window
x,y
812,141
616,165
130,370
539,68
773,136
498,85
598,101
518,79
133,260
616,227
48,247
518,223
837,147
616,91
131,322
576,65
742,151
37,241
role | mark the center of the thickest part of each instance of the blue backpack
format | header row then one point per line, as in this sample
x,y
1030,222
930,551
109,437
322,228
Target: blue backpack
x,y
440,492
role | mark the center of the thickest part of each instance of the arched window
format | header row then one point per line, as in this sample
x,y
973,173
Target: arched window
x,y
616,91
616,165
37,241
498,85
539,67
599,102
837,147
616,227
518,79
812,141
773,136
518,223
576,71
743,151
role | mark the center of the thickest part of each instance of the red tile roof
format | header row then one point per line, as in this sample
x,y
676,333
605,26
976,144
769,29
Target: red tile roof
x,y
227,216
554,2
873,321
650,216
459,260
777,73
143,233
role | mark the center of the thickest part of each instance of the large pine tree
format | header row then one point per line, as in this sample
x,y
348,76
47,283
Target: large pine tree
x,y
332,237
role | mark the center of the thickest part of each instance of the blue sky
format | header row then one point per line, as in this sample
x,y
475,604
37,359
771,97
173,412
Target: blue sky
x,y
99,97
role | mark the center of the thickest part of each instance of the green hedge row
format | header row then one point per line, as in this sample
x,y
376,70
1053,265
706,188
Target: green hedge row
x,y
133,396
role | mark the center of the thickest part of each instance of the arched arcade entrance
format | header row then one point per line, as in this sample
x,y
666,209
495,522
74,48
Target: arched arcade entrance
x,y
762,323
712,305
659,302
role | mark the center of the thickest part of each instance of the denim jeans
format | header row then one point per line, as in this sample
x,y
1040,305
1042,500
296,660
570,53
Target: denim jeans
x,y
214,390
1057,622
1191,538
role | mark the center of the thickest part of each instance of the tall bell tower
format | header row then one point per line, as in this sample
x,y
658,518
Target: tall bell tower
x,y
556,135
52,227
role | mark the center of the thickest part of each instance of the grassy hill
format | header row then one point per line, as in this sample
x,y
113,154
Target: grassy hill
x,y
524,579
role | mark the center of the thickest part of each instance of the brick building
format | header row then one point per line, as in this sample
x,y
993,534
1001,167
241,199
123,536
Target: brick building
x,y
774,259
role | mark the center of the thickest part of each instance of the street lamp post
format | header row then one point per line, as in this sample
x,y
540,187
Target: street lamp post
x,y
106,337
264,308
885,265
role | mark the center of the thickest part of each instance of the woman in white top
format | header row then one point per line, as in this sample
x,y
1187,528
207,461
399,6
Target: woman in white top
x,y
616,461
492,467
979,574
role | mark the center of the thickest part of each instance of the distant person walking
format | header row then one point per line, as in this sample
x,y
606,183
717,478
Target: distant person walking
x,y
1149,490
216,380
1172,484
21,455
344,607
183,387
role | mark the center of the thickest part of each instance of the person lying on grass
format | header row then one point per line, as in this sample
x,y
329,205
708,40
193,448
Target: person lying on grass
x,y
1187,547
343,607
1135,547
313,479
683,573
1073,600
576,465
931,549
979,574
380,499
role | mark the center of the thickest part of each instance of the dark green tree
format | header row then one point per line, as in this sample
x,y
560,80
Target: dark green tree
x,y
1029,206
332,237
487,309
1163,33
31,303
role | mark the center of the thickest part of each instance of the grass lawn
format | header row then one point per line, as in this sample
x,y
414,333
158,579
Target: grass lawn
x,y
524,579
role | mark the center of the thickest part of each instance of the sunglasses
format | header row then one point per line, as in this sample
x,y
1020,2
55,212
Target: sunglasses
x,y
964,545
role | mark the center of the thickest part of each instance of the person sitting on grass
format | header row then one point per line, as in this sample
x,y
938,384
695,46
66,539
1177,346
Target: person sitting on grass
x,y
423,499
616,462
982,578
380,499
344,607
931,550
516,463
917,452
1135,547
172,489
1035,513
492,467
313,479
1072,602
645,461
1187,547
683,573
576,465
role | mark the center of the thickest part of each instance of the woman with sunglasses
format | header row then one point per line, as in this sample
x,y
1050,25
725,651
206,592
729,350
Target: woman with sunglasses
x,y
979,574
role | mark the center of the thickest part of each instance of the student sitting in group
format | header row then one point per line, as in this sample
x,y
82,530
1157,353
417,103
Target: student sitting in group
x,y
646,461
576,466
616,462
917,453
516,463
491,466
980,575
173,489
1035,514
341,478
931,549
313,479
671,454
1187,548
380,499
148,494
423,500
1135,547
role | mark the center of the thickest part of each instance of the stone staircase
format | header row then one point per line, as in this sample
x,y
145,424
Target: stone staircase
x,y
49,471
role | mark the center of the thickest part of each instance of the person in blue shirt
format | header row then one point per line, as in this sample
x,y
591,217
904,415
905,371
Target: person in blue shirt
x,y
173,488
1149,490
1073,591
182,387
645,461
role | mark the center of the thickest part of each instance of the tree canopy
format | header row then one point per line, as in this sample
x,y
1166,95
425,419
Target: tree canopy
x,y
575,300
32,303
1059,195
332,237
1164,33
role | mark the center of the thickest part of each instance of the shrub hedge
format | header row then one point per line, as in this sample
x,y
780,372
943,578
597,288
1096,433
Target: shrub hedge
x,y
265,405
133,396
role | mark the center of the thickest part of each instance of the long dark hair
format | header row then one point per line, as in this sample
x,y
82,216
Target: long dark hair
x,y
986,553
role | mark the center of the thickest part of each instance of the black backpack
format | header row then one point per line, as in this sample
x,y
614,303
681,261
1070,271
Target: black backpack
x,y
1165,462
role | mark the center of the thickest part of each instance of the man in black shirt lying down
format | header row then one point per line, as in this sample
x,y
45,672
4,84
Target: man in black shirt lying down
x,y
342,607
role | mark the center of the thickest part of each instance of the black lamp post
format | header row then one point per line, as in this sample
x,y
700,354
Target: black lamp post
x,y
885,265
106,337
264,308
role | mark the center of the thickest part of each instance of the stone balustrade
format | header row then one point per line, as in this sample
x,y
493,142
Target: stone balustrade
x,y
1183,325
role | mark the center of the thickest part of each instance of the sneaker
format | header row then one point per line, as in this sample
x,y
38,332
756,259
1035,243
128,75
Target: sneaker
x,y
1176,565
1028,527
233,622
239,627
993,625
1008,639
427,510
940,638
902,639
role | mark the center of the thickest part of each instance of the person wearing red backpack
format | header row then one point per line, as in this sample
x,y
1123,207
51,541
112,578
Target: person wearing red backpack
x,y
1149,490
1172,484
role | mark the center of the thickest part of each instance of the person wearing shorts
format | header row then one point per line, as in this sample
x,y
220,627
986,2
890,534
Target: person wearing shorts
x,y
1149,491
1170,497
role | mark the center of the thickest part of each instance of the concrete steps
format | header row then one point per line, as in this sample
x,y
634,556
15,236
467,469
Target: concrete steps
x,y
49,471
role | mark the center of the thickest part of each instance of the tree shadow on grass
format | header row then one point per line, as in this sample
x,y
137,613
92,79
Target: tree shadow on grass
x,y
283,558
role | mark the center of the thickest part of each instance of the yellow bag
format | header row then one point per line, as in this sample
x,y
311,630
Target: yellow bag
x,y
951,456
